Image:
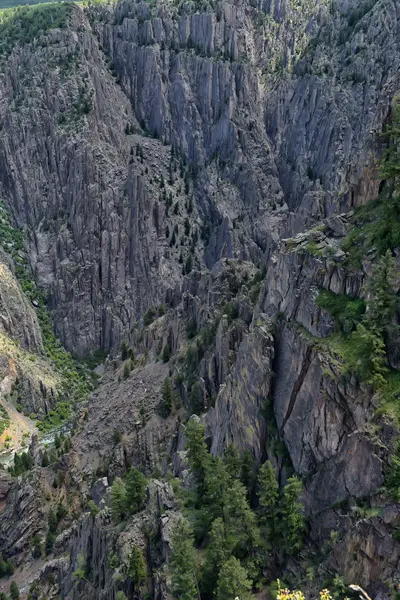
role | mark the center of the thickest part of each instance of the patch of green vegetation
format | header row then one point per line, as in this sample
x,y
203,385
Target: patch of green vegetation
x,y
235,540
76,382
22,463
346,311
363,350
127,496
21,25
4,420
377,225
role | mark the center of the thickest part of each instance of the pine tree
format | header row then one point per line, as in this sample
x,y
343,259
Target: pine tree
x,y
9,568
45,459
268,496
124,350
183,563
233,581
381,298
118,500
366,355
232,461
137,567
50,539
14,591
52,521
240,520
216,484
165,354
167,393
196,398
198,456
135,486
218,551
292,522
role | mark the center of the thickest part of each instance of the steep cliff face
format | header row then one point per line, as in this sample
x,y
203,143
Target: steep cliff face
x,y
155,156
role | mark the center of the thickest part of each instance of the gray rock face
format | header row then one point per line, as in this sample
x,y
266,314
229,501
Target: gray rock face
x,y
237,416
95,241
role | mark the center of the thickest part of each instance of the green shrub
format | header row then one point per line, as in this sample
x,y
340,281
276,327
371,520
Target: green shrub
x,y
93,508
346,311
149,317
117,436
166,353
127,370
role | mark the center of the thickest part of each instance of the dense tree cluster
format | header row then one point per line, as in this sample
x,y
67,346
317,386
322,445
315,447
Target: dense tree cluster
x,y
127,496
221,548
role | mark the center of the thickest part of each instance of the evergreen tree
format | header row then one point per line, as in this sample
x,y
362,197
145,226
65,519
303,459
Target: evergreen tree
x,y
268,495
166,354
366,355
381,298
37,546
218,551
240,520
196,398
232,461
217,483
124,350
292,522
390,167
45,459
50,539
9,568
233,581
248,472
167,393
52,521
14,591
135,486
118,500
198,456
137,567
183,563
